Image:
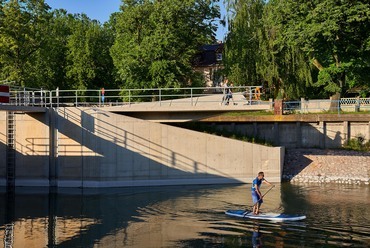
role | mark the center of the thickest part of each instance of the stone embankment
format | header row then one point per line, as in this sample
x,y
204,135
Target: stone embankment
x,y
325,166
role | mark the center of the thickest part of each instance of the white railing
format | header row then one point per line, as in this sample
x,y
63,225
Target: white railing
x,y
325,105
54,98
246,95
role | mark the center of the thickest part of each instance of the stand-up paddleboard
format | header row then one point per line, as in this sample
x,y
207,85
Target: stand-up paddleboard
x,y
265,216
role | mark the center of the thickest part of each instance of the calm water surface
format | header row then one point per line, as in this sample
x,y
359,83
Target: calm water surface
x,y
184,216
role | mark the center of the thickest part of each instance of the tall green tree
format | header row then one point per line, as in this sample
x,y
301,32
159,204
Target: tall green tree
x,y
22,34
156,40
334,35
89,64
256,52
283,65
242,53
48,67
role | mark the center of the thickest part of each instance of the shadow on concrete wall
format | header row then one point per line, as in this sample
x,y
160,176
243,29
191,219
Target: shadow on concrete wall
x,y
95,148
154,160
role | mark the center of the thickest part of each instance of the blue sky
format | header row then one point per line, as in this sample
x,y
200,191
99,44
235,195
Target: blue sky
x,y
102,9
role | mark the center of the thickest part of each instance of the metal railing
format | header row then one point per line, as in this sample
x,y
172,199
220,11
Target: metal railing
x,y
193,96
246,95
325,105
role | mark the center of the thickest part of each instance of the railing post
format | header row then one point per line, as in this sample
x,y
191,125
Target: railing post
x,y
99,98
76,98
41,98
32,100
339,106
57,95
160,97
24,96
191,96
129,97
51,98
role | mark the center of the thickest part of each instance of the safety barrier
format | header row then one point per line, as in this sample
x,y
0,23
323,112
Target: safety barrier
x,y
247,95
101,97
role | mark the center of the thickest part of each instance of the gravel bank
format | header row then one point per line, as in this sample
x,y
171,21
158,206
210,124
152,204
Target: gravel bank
x,y
324,166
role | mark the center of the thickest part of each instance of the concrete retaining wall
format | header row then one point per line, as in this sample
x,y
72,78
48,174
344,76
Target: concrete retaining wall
x,y
32,146
319,134
92,148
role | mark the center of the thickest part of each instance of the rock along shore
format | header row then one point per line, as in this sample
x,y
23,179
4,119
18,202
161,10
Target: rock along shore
x,y
325,166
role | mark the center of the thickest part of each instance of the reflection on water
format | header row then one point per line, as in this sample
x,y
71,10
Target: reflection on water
x,y
183,216
256,236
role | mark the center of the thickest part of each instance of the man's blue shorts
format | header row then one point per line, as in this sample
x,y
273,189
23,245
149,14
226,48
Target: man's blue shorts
x,y
256,198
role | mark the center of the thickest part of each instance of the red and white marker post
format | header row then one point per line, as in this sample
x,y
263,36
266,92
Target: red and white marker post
x,y
4,94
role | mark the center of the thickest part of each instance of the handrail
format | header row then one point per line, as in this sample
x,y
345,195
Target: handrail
x,y
248,95
123,96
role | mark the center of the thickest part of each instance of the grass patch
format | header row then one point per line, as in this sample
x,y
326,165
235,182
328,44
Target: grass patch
x,y
358,144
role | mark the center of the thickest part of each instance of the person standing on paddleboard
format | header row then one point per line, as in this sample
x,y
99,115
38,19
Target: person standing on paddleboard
x,y
256,193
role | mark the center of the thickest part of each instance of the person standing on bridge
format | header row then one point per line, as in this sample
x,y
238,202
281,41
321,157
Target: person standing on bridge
x,y
256,193
229,94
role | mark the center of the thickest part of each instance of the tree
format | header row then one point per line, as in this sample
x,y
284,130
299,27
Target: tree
x,y
242,44
283,65
22,33
89,64
156,41
256,52
48,67
334,35
301,48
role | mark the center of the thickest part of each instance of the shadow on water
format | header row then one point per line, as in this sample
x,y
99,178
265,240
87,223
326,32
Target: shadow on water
x,y
82,217
292,199
183,216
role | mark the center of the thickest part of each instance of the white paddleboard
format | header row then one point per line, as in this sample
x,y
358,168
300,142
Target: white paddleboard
x,y
265,216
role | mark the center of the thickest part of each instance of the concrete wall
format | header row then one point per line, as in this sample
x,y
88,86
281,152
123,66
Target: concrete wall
x,y
321,134
100,149
32,146
117,150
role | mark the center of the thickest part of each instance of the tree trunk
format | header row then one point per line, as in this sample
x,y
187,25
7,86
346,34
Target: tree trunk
x,y
317,64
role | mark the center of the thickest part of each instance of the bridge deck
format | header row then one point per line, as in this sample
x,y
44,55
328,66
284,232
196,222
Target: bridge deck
x,y
211,103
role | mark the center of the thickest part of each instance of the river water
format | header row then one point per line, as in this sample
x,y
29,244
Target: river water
x,y
184,216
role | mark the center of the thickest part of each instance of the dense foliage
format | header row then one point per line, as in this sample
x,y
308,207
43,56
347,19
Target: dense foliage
x,y
295,48
148,43
156,41
301,48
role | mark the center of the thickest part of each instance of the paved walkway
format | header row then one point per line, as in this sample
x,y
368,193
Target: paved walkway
x,y
315,165
198,103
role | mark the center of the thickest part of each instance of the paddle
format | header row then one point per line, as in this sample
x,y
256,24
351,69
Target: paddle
x,y
247,211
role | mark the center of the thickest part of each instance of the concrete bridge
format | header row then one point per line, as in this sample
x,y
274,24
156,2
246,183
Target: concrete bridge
x,y
88,147
187,109
54,141
51,139
159,105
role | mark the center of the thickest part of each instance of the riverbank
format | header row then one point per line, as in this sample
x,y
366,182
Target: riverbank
x,y
324,166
